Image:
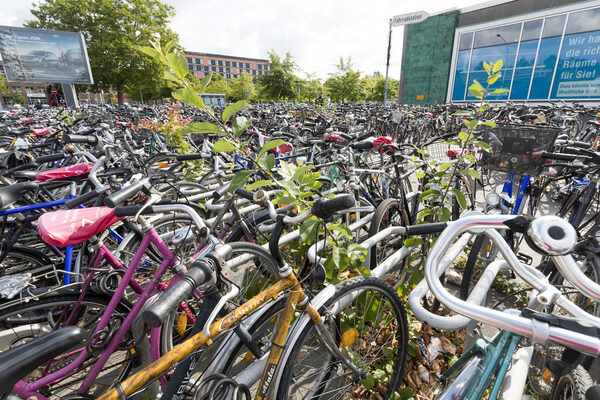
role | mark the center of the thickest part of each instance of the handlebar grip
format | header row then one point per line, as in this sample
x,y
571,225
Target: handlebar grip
x,y
325,208
49,158
130,211
84,197
581,145
425,229
217,194
117,198
93,140
364,136
245,194
200,272
188,157
557,156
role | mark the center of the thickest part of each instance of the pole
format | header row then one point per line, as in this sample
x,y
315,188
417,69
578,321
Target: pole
x,y
387,64
401,81
141,96
357,89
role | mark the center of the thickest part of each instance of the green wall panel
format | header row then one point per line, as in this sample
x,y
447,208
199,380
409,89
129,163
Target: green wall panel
x,y
427,59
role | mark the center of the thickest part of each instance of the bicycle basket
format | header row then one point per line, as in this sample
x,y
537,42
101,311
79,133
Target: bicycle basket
x,y
517,148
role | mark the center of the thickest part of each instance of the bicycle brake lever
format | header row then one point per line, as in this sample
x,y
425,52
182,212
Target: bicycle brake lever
x,y
213,315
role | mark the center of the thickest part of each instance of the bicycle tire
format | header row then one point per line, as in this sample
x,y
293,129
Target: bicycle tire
x,y
384,217
296,372
573,385
476,248
28,320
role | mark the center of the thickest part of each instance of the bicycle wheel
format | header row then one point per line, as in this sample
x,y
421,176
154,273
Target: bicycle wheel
x,y
481,250
366,317
251,268
389,213
23,259
26,321
573,385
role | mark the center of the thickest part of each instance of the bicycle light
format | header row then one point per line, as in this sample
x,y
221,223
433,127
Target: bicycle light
x,y
492,199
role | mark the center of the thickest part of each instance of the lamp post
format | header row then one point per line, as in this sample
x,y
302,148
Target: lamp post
x,y
505,53
357,89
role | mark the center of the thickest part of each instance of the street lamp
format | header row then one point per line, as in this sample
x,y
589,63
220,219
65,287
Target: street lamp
x,y
357,89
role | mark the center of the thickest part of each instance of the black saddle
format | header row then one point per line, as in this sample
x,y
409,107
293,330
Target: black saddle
x,y
11,194
19,131
24,175
528,117
16,363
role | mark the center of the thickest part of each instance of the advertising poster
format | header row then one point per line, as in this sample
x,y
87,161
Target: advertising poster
x,y
37,55
578,71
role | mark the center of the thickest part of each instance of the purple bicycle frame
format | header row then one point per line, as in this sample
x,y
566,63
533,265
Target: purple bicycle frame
x,y
26,390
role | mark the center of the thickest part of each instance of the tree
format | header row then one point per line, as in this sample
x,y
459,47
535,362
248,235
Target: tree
x,y
239,86
147,93
310,87
217,84
280,83
3,88
18,96
367,86
111,29
342,84
380,88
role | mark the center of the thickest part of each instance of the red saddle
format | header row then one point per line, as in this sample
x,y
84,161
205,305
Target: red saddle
x,y
68,227
65,172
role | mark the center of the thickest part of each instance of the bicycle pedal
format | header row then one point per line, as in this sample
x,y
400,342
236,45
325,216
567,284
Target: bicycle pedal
x,y
525,259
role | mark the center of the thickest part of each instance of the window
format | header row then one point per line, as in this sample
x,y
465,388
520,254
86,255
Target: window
x,y
199,61
228,76
189,59
220,69
213,62
220,62
214,69
228,63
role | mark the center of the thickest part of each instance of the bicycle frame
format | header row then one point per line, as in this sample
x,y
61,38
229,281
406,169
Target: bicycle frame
x,y
163,364
151,237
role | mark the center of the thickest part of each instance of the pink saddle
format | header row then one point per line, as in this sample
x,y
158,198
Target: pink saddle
x,y
68,227
65,172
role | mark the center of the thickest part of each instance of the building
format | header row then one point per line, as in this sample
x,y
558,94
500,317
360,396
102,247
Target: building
x,y
229,67
550,52
33,93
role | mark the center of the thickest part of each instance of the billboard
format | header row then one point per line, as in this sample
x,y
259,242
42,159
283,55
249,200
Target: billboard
x,y
37,55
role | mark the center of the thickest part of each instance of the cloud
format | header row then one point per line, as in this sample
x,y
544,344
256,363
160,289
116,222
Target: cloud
x,y
315,32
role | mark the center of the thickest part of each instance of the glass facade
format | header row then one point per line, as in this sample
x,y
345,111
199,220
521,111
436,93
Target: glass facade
x,y
549,58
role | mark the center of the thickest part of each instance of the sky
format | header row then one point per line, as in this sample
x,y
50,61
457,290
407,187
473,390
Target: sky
x,y
315,32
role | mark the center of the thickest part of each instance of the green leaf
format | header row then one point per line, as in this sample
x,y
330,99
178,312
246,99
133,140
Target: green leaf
x,y
152,52
444,166
344,230
413,242
178,64
286,169
223,145
470,172
443,214
483,145
368,382
429,193
168,75
460,197
488,123
190,97
205,82
471,124
169,45
406,393
463,136
239,180
270,145
497,66
240,124
284,200
424,213
201,127
492,79
267,162
354,248
308,230
340,258
487,68
476,90
420,174
499,91
232,109
259,184
483,108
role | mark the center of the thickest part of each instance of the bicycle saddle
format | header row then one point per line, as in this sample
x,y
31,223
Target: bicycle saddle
x,y
19,131
68,227
10,194
21,360
528,117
